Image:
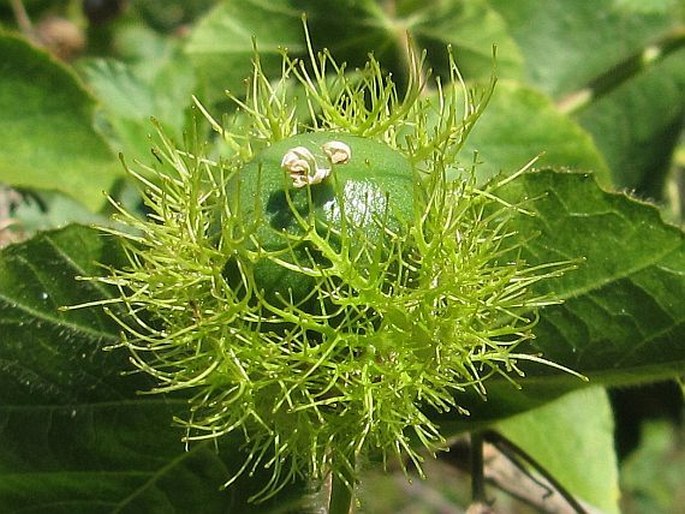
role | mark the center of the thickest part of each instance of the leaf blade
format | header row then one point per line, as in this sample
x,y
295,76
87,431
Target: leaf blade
x,y
626,247
75,434
572,438
48,137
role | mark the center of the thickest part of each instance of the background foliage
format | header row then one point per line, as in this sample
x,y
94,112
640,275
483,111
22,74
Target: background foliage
x,y
597,88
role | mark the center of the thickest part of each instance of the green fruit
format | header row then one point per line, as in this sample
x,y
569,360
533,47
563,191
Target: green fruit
x,y
368,194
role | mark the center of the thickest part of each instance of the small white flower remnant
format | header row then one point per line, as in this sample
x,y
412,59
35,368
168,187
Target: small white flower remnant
x,y
337,152
301,165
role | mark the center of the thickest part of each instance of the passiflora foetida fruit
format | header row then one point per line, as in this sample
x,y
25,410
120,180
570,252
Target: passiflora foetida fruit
x,y
332,277
335,184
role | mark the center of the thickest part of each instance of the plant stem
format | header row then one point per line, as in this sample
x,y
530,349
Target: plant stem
x,y
628,69
342,487
22,17
477,469
341,495
514,452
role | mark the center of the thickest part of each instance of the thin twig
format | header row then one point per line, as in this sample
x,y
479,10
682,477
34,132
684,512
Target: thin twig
x,y
549,490
477,469
22,17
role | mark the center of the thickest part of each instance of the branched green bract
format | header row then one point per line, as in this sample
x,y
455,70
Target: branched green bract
x,y
397,318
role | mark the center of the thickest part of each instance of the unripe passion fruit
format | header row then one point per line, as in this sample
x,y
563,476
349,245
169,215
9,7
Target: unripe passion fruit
x,y
336,184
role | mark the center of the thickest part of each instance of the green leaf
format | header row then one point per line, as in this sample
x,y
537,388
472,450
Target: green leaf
x,y
471,29
647,6
623,317
573,439
48,141
638,123
166,16
130,96
661,450
47,210
568,44
619,66
76,437
519,124
221,45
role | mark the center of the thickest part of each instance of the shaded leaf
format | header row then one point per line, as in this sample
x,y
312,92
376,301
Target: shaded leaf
x,y
519,124
567,45
48,140
76,436
638,124
624,63
221,45
169,15
471,29
623,316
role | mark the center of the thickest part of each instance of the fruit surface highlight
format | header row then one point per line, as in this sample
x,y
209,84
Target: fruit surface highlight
x,y
368,195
